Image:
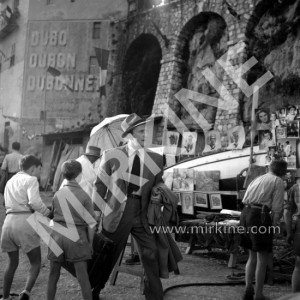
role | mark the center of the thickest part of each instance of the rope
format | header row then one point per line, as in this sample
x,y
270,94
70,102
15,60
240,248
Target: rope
x,y
226,283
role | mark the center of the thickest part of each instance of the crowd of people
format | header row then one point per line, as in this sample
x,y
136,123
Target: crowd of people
x,y
96,195
105,201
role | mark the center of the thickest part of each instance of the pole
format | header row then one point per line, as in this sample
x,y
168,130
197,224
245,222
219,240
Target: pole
x,y
253,129
45,94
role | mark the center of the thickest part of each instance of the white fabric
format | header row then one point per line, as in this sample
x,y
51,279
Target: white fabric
x,y
88,176
287,150
22,194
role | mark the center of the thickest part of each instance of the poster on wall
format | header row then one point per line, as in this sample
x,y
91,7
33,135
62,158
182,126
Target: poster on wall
x,y
236,138
189,140
212,141
183,179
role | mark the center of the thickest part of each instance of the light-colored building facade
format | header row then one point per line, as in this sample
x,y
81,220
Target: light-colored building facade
x,y
12,52
72,38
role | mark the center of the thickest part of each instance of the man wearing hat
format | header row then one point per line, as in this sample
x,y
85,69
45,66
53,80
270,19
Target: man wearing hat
x,y
126,177
89,162
292,207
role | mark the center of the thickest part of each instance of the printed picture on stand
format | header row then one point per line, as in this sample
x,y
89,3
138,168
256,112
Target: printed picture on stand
x,y
172,139
187,203
280,133
271,155
168,179
236,138
183,179
288,114
201,199
207,180
292,129
215,201
212,141
286,149
265,139
189,140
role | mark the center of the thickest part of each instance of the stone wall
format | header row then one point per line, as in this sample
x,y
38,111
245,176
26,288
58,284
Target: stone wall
x,y
173,25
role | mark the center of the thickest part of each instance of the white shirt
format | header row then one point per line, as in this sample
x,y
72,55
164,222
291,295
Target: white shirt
x,y
22,194
287,150
132,151
11,162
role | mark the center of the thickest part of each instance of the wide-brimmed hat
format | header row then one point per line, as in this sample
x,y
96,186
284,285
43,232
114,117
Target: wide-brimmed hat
x,y
131,122
93,151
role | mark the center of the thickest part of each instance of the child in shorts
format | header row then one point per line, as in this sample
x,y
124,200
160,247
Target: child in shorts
x,y
22,198
80,217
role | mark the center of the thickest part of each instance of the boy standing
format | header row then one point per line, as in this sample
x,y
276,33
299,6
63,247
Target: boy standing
x,y
82,220
21,198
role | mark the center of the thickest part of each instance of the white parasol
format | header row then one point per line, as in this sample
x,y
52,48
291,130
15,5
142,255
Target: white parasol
x,y
107,134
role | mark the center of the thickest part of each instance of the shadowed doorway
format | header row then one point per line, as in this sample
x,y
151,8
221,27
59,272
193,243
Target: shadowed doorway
x,y
141,73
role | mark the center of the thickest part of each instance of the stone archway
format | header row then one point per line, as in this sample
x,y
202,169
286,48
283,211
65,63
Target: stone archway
x,y
140,74
201,42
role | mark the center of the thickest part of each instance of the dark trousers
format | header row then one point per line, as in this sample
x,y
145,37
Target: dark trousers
x,y
131,223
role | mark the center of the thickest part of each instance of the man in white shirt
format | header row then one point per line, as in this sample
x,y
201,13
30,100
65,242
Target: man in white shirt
x,y
89,162
11,161
287,149
21,198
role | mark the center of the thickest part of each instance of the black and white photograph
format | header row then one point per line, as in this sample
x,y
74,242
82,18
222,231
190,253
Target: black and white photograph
x,y
200,199
153,115
168,179
266,139
189,140
293,129
280,132
215,201
172,139
236,138
212,141
187,203
183,179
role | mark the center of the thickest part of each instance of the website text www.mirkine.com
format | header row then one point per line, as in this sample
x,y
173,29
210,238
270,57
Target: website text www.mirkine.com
x,y
213,229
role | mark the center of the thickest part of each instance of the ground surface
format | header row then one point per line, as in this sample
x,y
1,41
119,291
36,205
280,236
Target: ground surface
x,y
193,269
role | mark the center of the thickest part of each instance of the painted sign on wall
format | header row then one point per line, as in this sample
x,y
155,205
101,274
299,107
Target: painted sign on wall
x,y
69,48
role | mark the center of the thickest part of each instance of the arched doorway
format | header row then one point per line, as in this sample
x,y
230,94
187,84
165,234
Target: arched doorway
x,y
201,42
141,73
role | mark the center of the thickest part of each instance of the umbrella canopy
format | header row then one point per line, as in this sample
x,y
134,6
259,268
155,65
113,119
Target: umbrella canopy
x,y
107,134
